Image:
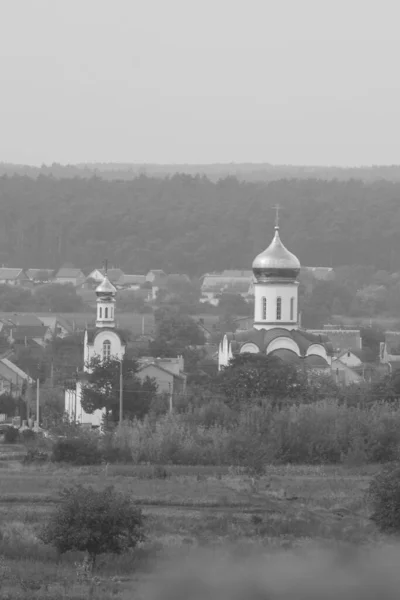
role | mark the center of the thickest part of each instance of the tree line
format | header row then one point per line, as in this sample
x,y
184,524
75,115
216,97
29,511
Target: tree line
x,y
190,224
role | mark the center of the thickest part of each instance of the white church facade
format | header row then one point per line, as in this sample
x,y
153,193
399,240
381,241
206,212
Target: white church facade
x,y
104,341
276,329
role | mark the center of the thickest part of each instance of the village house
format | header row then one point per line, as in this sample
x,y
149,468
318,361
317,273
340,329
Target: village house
x,y
40,275
228,282
11,276
158,274
13,380
168,373
113,274
130,282
70,275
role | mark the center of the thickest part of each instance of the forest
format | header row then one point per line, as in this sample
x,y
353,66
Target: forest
x,y
190,224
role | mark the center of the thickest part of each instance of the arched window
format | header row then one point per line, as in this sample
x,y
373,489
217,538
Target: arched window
x,y
264,309
106,313
291,309
100,312
106,349
279,308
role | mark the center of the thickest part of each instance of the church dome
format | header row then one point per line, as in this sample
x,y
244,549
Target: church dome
x,y
276,262
106,288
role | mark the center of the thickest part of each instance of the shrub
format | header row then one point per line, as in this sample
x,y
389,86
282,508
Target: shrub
x,y
95,522
384,493
11,435
27,435
80,450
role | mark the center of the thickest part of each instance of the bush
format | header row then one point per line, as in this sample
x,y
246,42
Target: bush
x,y
384,493
11,435
95,522
80,450
27,435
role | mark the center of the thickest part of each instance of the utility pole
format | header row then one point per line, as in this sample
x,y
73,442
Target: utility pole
x,y
170,398
28,396
120,393
37,402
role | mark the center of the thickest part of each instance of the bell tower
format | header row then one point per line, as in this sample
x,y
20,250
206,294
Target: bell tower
x,y
105,293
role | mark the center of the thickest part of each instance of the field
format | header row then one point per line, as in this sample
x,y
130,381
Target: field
x,y
188,509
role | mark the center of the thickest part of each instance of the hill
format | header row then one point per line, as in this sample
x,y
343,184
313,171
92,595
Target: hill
x,y
189,224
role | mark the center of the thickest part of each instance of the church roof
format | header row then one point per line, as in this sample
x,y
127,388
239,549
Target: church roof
x,y
276,262
262,339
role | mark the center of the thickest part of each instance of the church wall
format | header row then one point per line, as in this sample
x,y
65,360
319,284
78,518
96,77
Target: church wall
x,y
96,349
283,343
252,348
318,350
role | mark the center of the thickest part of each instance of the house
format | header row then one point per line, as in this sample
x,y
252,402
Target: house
x,y
342,339
113,275
228,282
58,326
21,334
23,320
350,359
11,276
168,373
40,275
156,274
130,282
12,379
70,275
346,374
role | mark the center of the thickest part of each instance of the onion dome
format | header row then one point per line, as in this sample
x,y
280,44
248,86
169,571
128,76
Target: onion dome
x,y
276,262
106,288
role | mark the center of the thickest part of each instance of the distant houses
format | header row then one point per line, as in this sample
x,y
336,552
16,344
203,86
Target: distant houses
x,y
11,276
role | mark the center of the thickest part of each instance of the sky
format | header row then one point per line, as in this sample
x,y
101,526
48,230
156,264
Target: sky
x,y
306,82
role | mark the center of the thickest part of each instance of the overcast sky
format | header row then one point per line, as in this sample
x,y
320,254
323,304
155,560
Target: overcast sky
x,y
200,81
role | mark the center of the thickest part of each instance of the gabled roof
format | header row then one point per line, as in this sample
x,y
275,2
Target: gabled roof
x,y
25,320
69,272
158,272
10,365
113,274
33,273
8,273
157,366
131,279
19,333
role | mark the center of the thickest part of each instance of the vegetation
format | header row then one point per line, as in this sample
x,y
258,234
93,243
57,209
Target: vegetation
x,y
95,522
186,224
385,496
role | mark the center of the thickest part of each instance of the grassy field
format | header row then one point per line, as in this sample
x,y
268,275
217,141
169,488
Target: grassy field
x,y
191,508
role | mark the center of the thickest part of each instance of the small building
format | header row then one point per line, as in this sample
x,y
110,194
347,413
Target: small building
x,y
58,326
11,276
113,275
130,282
70,275
13,380
21,334
167,372
345,374
40,275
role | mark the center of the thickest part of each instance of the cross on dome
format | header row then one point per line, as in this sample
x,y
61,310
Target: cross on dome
x,y
277,208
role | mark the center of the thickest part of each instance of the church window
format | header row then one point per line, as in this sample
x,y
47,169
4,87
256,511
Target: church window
x,y
279,308
291,309
100,312
264,309
106,313
106,349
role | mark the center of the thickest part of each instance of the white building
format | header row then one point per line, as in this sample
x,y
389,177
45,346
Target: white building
x,y
276,315
104,341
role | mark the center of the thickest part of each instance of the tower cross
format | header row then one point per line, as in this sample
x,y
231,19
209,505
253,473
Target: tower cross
x,y
105,267
277,208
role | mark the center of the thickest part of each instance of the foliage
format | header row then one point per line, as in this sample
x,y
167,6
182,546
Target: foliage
x,y
102,388
79,449
11,435
259,376
384,493
95,522
174,333
56,297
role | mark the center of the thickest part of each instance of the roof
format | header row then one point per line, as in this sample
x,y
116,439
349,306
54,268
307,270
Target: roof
x,y
113,274
69,272
262,339
54,319
29,331
157,366
8,273
33,273
28,320
131,279
16,369
158,272
342,339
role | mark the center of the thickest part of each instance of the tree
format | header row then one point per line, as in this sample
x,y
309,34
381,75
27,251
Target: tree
x,y
95,522
384,493
233,305
101,390
174,333
56,297
250,376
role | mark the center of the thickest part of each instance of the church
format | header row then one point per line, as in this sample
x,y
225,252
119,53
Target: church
x,y
104,340
276,330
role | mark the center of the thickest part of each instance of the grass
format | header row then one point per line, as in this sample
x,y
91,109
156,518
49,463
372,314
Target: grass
x,y
189,509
